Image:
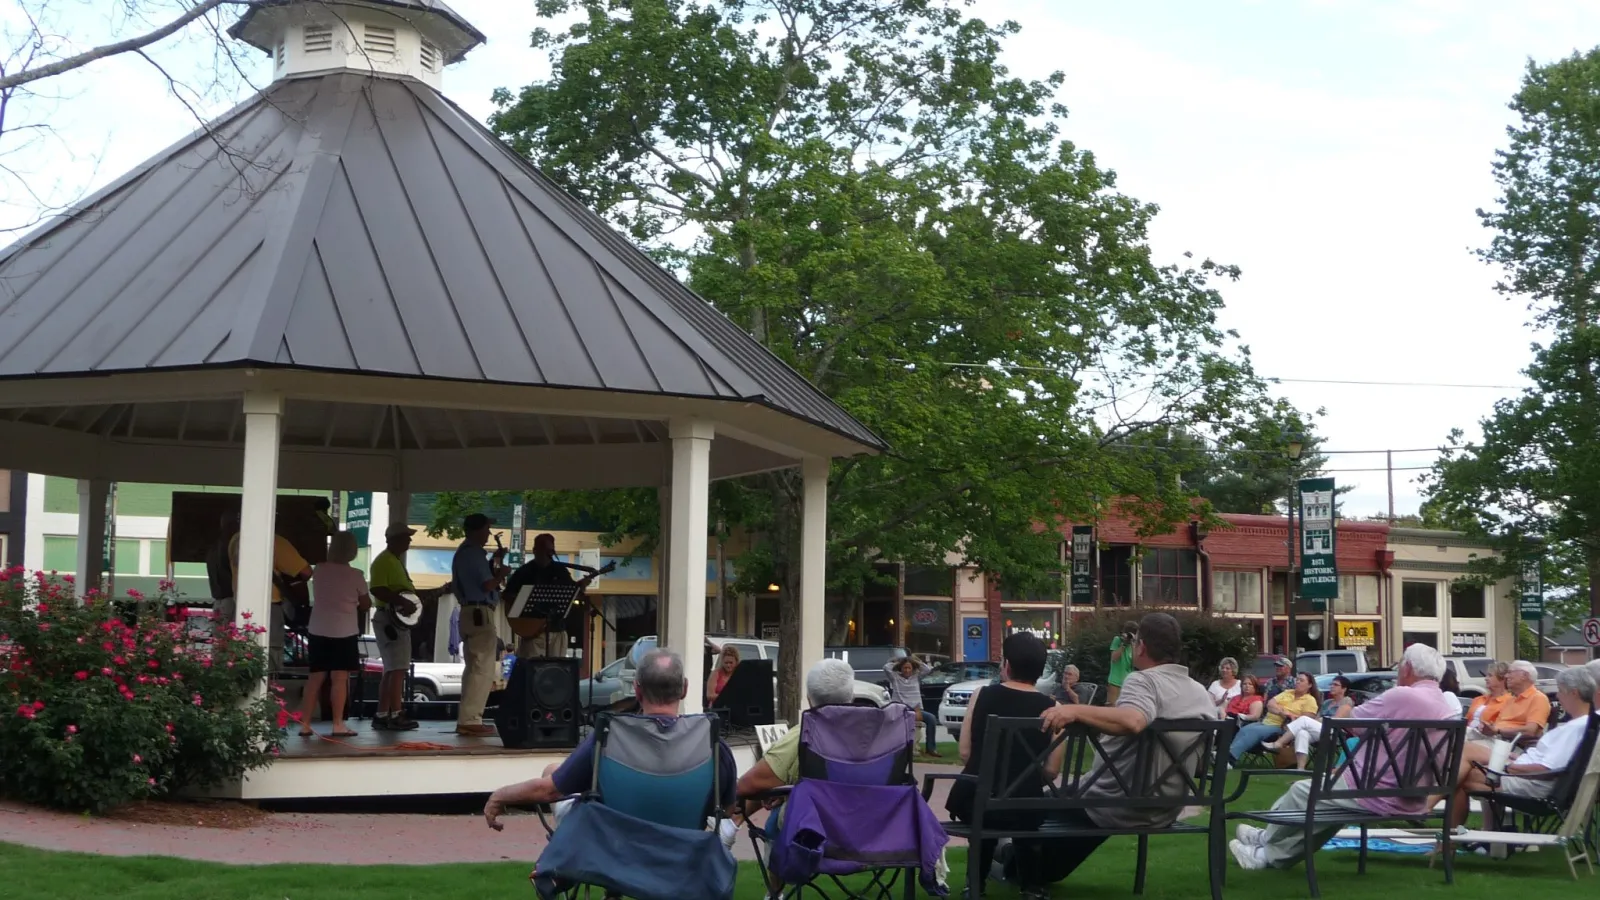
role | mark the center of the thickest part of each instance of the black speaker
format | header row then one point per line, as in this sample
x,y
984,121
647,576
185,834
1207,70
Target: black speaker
x,y
748,696
540,709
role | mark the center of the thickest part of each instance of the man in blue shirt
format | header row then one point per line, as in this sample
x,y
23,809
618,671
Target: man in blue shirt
x,y
660,686
477,582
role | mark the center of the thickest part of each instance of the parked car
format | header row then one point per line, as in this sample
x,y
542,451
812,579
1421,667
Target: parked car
x,y
1331,662
1363,685
945,674
429,681
867,661
1469,672
1265,666
952,709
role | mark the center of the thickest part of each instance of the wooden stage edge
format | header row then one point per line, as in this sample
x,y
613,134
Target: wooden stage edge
x,y
431,760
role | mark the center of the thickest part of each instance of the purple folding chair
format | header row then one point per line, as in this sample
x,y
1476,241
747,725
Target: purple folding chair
x,y
856,810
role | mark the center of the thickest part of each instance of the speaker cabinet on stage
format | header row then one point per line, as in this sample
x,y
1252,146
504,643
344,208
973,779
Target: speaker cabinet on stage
x,y
540,709
748,696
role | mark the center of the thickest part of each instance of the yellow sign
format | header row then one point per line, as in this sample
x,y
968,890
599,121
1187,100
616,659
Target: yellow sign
x,y
1357,634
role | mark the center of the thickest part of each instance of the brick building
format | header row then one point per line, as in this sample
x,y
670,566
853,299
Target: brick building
x,y
1237,569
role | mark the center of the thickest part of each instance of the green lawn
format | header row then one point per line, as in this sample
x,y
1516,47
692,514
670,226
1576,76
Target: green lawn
x,y
1177,872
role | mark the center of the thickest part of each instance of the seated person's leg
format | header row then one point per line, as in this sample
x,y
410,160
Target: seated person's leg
x,y
1042,861
1285,845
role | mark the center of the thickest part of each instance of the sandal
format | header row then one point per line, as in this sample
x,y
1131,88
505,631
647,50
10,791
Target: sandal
x,y
308,733
343,734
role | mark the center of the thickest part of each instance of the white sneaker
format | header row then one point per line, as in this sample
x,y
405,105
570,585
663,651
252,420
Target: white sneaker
x,y
727,831
1248,856
1251,836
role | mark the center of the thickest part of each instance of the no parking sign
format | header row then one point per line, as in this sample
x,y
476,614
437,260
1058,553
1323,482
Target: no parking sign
x,y
1591,632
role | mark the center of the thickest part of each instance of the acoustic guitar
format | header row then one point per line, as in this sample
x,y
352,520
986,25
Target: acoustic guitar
x,y
536,627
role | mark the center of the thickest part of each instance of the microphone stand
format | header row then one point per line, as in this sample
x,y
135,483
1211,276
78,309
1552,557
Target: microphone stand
x,y
595,613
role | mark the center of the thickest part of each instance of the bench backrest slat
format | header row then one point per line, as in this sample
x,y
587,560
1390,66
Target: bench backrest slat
x,y
1394,759
1171,765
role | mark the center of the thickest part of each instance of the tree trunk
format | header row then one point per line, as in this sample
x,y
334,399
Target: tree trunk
x,y
786,571
1594,582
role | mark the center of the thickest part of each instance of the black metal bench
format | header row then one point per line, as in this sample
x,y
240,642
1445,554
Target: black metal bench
x,y
1170,767
1368,759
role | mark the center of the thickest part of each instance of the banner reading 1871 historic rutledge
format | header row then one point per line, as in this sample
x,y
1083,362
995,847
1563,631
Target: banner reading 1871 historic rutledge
x,y
1319,574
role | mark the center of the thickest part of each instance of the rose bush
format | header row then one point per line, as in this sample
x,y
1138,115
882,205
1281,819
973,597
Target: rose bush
x,y
98,708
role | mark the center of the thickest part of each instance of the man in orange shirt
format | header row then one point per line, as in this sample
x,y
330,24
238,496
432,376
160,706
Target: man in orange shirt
x,y
1527,709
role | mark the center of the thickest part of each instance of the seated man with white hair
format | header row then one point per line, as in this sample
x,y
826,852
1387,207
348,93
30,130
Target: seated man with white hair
x,y
1526,712
1594,670
830,682
1417,696
1576,689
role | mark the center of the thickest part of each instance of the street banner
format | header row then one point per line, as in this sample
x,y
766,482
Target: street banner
x,y
1082,559
358,516
1319,574
1530,601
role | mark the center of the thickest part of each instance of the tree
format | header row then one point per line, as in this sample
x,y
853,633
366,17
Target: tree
x,y
1243,468
1535,474
863,186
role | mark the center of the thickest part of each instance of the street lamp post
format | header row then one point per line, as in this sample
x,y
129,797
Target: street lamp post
x,y
1292,450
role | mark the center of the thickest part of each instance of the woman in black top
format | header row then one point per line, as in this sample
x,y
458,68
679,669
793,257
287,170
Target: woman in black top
x,y
1014,697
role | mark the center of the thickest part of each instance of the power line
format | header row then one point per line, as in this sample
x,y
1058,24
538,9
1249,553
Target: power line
x,y
1413,384
1380,469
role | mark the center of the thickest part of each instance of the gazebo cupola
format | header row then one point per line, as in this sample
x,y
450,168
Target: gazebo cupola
x,y
399,38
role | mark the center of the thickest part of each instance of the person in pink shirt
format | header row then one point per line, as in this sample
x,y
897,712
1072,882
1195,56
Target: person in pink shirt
x,y
1416,697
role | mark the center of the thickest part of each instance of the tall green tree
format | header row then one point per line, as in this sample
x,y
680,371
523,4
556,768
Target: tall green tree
x,y
1241,468
864,187
1536,471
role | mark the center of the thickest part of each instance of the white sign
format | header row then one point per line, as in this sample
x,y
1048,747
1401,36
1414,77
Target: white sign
x,y
767,735
1469,644
1591,632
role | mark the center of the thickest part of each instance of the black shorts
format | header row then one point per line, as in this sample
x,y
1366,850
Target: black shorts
x,y
330,654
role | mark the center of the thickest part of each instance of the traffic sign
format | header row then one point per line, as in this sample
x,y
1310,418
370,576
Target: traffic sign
x,y
1591,632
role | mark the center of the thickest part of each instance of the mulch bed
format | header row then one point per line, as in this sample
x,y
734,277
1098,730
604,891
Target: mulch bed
x,y
191,813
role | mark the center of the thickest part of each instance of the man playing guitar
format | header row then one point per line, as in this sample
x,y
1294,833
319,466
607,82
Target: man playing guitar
x,y
544,568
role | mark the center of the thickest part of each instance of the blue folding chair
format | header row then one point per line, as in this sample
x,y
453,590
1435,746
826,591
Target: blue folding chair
x,y
641,832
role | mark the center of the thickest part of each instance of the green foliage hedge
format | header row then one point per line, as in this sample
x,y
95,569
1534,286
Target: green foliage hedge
x,y
1207,639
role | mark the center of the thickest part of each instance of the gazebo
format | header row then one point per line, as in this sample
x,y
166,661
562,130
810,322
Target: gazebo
x,y
347,282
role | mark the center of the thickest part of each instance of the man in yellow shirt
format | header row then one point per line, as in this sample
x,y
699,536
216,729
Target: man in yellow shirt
x,y
388,581
1301,700
287,562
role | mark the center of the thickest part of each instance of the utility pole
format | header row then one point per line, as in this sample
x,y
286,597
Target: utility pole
x,y
1389,455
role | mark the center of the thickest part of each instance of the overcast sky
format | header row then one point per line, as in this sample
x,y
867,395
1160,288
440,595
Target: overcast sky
x,y
1334,149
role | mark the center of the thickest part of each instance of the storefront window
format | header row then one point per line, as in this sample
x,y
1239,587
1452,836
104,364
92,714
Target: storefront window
x,y
1236,592
1358,596
938,581
1116,576
1044,623
1170,578
1419,599
928,628
1466,601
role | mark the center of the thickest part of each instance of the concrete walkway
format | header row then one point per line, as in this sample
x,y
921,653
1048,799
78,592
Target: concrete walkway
x,y
345,839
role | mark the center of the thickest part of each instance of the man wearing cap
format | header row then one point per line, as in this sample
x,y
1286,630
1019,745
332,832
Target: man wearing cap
x,y
542,567
477,583
389,580
1282,678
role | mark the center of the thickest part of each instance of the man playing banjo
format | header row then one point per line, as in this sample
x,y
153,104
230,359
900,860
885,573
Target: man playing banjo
x,y
397,609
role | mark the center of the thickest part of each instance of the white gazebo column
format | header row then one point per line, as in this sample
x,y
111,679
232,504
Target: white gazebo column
x,y
663,552
92,497
263,414
686,553
399,509
813,561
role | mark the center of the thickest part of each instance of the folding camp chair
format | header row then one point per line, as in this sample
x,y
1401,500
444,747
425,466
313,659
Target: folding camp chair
x,y
656,782
855,810
1564,818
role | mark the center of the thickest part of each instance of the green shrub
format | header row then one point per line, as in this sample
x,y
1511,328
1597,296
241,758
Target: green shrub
x,y
1207,639
99,711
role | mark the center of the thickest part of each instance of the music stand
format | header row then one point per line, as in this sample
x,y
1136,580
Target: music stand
x,y
552,602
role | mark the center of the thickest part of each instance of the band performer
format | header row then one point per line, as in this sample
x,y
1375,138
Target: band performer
x,y
543,568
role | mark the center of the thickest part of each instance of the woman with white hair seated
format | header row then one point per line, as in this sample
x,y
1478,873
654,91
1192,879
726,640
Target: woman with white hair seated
x,y
1576,689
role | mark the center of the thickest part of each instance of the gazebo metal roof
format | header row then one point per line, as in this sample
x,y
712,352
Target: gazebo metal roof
x,y
350,225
